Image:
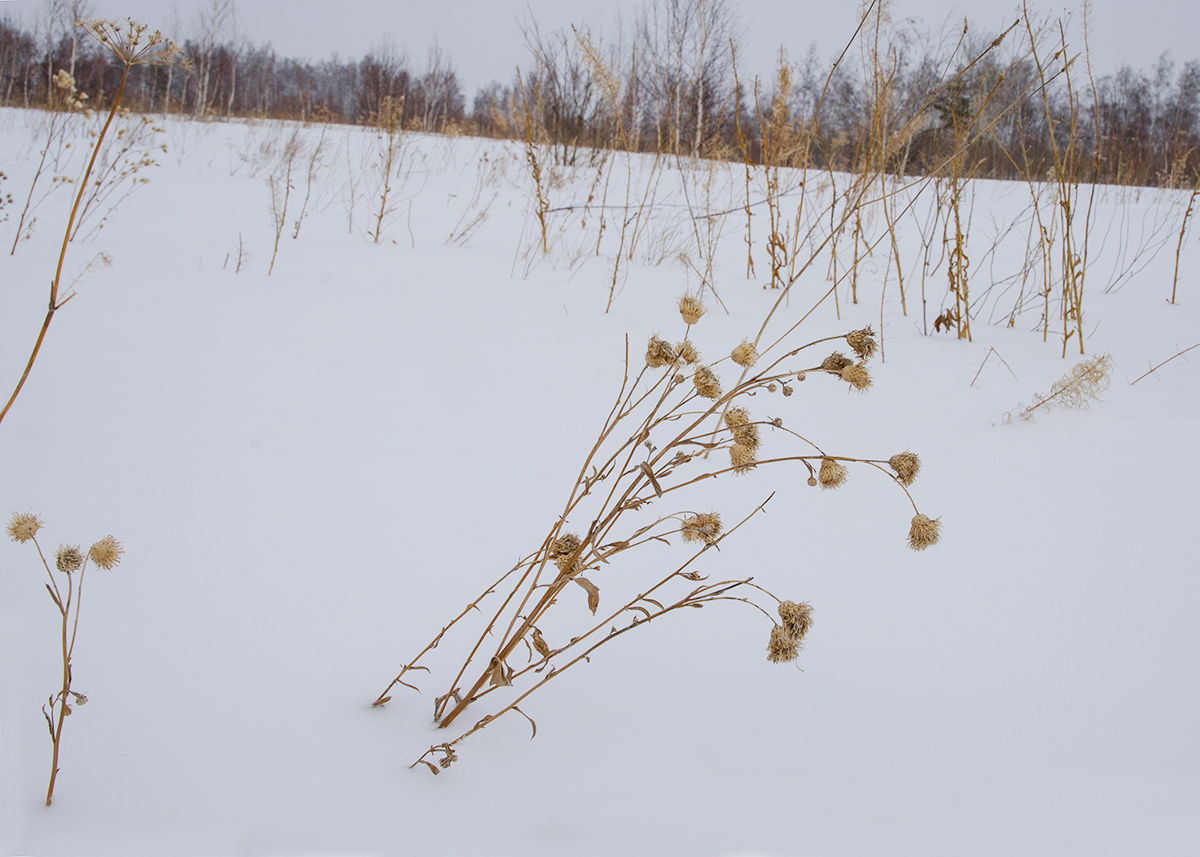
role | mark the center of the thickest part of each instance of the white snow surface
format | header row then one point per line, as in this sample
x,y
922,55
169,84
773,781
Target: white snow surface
x,y
312,472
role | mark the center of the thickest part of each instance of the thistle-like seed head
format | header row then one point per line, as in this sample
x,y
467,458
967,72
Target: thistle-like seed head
x,y
659,353
857,376
23,526
797,618
924,532
745,354
707,383
691,308
863,342
106,553
782,648
742,458
836,362
735,417
833,473
704,527
687,352
906,465
68,559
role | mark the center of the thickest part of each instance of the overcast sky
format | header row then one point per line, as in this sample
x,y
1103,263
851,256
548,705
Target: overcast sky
x,y
483,37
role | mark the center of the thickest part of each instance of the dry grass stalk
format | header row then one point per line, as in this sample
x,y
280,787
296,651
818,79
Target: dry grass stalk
x,y
1077,390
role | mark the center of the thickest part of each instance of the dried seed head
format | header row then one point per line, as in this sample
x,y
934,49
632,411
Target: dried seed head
x,y
687,352
924,532
707,383
659,353
704,527
906,465
106,553
857,376
783,648
742,458
68,559
787,391
691,308
812,482
833,473
797,618
23,526
745,354
863,342
747,436
735,417
565,545
770,388
836,362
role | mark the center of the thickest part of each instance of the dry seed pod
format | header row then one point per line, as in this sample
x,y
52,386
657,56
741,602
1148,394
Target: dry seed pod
x,y
857,376
691,308
745,354
707,383
704,527
68,559
783,648
832,475
787,391
906,465
924,532
863,342
659,353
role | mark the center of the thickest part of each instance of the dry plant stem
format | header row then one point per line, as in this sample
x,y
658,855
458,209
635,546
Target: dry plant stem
x,y
55,305
1182,232
1164,363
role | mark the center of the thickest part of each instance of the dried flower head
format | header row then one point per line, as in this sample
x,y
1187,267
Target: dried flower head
x,y
659,353
687,352
704,527
736,417
747,436
563,549
787,391
68,559
742,458
23,526
745,354
836,362
132,45
857,376
812,482
863,342
691,308
707,383
833,473
924,532
906,465
106,553
797,618
783,648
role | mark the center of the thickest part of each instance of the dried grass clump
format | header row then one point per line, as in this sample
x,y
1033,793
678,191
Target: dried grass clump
x,y
659,353
691,308
924,533
745,354
704,527
707,383
857,376
906,465
863,342
833,474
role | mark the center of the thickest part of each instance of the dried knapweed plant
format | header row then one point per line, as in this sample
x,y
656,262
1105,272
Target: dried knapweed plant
x,y
66,591
664,435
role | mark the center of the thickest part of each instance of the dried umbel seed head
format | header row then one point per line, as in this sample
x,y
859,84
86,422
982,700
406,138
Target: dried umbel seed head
x,y
659,353
707,383
68,559
797,618
906,465
106,553
704,527
924,532
691,308
863,342
857,376
742,458
745,354
23,526
833,473
783,648
687,352
836,362
736,417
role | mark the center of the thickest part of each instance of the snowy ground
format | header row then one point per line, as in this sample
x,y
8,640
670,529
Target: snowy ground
x,y
313,471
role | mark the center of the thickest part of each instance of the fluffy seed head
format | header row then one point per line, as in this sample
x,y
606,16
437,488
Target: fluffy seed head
x,y
68,559
704,527
106,553
707,383
747,436
906,465
924,532
857,376
691,308
797,618
863,342
659,353
687,352
736,417
836,362
742,458
833,473
745,354
23,526
783,648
